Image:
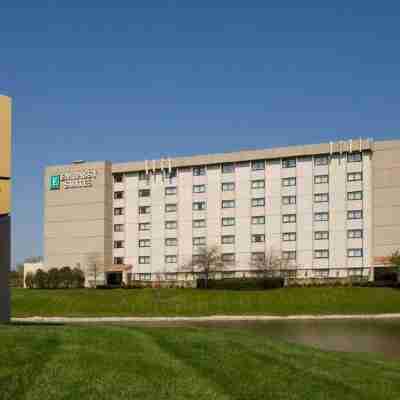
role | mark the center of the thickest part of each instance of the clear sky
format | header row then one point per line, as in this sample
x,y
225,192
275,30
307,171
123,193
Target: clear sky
x,y
125,80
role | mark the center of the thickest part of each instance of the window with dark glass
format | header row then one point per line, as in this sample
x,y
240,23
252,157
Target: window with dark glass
x,y
199,205
258,202
228,168
170,190
199,223
258,238
288,218
356,195
198,171
287,200
289,163
354,234
258,184
257,165
291,181
172,207
199,188
118,227
144,243
354,157
118,195
144,193
354,214
228,186
144,210
118,178
321,160
144,226
228,203
318,179
321,235
227,239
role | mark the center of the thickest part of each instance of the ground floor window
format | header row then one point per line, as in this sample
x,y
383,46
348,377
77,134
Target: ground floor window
x,y
144,276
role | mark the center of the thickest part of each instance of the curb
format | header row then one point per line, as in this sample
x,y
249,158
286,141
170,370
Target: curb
x,y
214,318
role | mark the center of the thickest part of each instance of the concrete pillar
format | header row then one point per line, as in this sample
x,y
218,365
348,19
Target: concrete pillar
x,y
4,268
5,205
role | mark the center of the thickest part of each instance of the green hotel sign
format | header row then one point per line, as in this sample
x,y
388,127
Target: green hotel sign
x,y
73,180
55,182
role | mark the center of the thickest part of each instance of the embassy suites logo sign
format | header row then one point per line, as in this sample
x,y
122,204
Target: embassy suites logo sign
x,y
73,180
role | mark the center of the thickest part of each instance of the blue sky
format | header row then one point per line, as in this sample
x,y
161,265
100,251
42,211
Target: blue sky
x,y
125,80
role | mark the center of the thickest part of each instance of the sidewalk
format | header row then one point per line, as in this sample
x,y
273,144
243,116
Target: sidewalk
x,y
214,318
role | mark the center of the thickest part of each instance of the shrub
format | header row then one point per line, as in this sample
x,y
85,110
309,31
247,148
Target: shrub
x,y
56,278
53,279
41,279
241,283
78,278
385,274
65,277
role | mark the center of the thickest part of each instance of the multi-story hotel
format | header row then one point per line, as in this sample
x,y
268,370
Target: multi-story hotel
x,y
329,210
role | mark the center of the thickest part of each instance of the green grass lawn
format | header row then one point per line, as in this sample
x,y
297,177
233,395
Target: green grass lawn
x,y
61,362
192,302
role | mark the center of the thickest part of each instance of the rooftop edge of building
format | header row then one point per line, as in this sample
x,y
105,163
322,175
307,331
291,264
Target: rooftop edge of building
x,y
333,147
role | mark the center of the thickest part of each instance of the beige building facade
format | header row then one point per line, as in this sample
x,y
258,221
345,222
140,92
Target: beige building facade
x,y
328,210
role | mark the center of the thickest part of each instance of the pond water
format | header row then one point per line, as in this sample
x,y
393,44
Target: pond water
x,y
364,336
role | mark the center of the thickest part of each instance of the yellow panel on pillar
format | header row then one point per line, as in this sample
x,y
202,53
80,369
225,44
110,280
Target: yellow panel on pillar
x,y
5,196
5,137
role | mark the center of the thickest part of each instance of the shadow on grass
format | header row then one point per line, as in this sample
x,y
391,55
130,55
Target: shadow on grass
x,y
39,323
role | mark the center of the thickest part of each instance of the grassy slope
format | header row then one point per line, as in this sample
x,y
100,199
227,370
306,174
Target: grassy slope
x,y
39,362
188,302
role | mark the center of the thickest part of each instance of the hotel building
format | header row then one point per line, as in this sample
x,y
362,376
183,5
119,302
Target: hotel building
x,y
328,210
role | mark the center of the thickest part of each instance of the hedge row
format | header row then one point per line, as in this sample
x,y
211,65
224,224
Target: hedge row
x,y
241,283
55,278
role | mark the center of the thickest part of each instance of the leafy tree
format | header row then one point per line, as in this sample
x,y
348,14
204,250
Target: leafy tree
x,y
395,258
66,277
15,279
41,279
395,261
29,280
53,278
206,262
78,278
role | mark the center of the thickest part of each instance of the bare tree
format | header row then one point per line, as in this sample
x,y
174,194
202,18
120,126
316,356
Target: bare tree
x,y
267,263
94,268
206,262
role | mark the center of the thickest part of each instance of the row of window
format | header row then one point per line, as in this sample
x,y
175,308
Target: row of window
x,y
256,202
229,168
255,257
230,186
324,253
257,238
257,220
230,239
